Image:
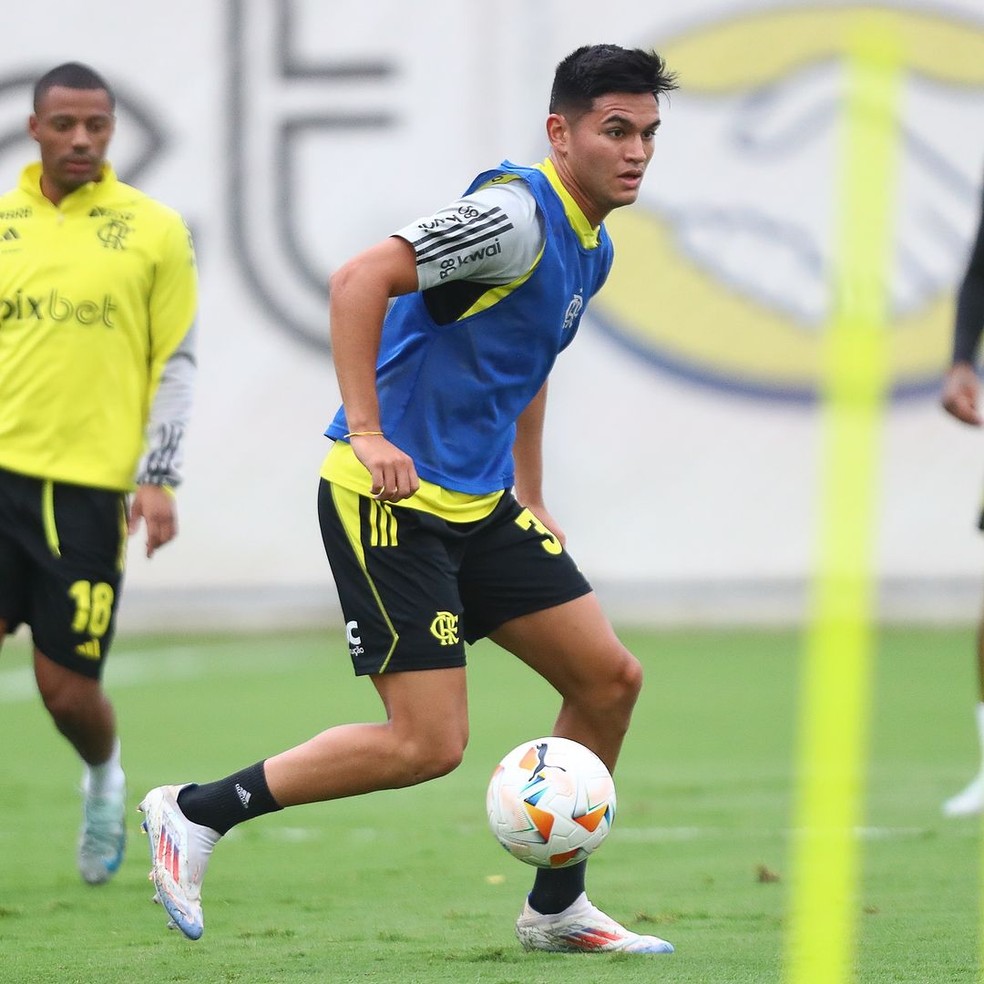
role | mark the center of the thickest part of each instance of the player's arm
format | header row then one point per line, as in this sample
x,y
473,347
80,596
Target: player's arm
x,y
961,386
173,368
159,473
528,461
420,256
359,293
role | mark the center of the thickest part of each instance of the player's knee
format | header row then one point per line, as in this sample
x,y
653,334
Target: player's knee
x,y
616,694
631,673
67,697
433,758
445,763
628,682
61,703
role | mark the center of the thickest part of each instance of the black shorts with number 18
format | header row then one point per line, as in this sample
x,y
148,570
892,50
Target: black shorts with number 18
x,y
61,566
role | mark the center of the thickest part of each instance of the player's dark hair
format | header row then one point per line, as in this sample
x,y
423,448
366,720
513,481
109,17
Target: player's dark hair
x,y
595,69
71,75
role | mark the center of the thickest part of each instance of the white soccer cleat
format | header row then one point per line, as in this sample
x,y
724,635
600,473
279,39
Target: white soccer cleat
x,y
102,839
582,928
969,802
179,853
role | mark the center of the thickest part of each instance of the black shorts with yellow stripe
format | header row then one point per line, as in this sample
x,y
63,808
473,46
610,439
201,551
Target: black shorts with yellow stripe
x,y
414,588
61,566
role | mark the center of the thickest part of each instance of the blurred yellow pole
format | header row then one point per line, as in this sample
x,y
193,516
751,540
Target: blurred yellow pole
x,y
835,687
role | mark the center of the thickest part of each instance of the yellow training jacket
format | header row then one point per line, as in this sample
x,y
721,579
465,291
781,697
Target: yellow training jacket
x,y
95,295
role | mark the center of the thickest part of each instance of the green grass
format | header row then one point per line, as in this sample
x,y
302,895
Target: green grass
x,y
408,886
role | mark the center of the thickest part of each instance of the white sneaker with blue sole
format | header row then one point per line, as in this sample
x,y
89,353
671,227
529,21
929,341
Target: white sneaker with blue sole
x,y
179,853
102,839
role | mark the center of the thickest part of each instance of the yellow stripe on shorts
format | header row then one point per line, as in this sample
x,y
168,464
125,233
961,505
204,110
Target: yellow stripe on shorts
x,y
383,524
124,534
347,505
48,517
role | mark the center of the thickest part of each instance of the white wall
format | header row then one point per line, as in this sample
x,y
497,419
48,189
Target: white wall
x,y
680,497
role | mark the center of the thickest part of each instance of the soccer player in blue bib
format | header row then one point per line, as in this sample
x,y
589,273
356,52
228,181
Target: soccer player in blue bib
x,y
431,502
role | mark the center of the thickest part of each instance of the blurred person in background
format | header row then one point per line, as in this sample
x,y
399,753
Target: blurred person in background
x,y
961,398
98,293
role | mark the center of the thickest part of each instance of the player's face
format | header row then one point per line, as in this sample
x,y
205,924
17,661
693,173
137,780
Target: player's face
x,y
602,155
73,128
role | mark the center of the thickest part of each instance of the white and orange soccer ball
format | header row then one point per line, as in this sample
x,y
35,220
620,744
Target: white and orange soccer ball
x,y
551,802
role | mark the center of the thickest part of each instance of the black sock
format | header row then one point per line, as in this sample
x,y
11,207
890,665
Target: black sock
x,y
554,889
221,805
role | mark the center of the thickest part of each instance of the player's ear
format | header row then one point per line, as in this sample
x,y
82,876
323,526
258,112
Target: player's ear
x,y
557,130
32,126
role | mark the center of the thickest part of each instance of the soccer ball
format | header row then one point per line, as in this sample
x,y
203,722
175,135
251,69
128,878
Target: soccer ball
x,y
551,802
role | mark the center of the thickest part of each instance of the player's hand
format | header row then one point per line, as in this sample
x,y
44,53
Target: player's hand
x,y
393,474
155,506
960,391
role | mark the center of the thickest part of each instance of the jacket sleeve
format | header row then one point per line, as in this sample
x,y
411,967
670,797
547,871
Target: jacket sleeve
x,y
173,363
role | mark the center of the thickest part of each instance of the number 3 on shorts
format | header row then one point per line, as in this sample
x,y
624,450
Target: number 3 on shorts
x,y
527,521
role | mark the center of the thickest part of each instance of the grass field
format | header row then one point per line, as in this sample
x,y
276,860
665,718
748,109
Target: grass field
x,y
409,886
